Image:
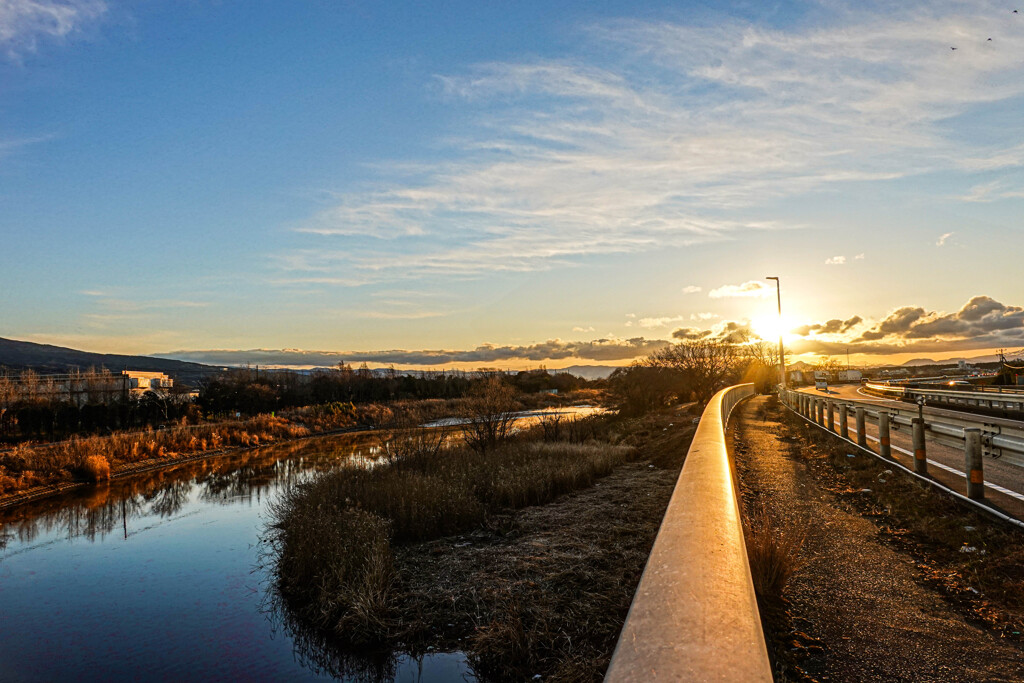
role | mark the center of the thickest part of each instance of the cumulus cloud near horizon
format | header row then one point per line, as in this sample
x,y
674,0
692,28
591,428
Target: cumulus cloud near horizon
x,y
981,323
604,350
751,288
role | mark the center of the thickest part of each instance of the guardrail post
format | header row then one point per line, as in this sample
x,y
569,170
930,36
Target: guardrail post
x,y
973,464
920,455
862,437
884,447
820,405
831,416
844,429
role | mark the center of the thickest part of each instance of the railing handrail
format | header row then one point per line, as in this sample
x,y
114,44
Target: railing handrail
x,y
1010,397
999,436
694,616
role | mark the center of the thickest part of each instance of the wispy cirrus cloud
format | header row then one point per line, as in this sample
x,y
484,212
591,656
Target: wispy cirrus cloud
x,y
654,134
24,23
993,191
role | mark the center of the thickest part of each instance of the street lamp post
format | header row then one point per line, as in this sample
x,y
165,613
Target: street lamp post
x,y
782,354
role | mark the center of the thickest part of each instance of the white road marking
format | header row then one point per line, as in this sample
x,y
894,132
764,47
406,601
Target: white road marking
x,y
876,398
953,470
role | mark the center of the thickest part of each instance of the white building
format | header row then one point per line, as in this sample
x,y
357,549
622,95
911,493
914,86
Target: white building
x,y
140,382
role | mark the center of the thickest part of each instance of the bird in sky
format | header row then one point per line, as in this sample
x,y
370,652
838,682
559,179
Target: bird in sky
x,y
952,48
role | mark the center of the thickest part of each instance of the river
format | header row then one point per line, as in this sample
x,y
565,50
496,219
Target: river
x,y
161,577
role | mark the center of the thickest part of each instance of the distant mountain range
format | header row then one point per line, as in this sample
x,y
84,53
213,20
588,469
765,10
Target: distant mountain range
x,y
46,358
587,371
990,358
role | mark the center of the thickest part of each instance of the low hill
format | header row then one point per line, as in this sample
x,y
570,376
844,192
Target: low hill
x,y
46,358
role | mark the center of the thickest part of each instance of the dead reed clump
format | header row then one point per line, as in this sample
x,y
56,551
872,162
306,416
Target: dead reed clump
x,y
95,468
335,565
773,552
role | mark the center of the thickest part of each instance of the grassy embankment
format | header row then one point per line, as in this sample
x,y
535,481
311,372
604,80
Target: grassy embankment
x,y
96,458
360,556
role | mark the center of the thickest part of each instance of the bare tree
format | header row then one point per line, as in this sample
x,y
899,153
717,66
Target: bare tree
x,y
406,438
761,361
829,365
704,366
489,415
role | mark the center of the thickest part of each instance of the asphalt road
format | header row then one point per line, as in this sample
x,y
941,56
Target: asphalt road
x,y
1004,483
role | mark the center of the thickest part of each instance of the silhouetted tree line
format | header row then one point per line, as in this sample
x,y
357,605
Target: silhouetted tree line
x,y
692,371
251,391
38,419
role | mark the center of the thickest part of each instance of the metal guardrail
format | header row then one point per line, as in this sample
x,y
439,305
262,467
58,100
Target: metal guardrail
x,y
989,401
977,435
694,616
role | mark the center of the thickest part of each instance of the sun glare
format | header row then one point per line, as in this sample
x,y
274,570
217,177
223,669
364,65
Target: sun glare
x,y
769,327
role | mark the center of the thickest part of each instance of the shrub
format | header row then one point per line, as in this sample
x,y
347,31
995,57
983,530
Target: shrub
x,y
773,553
336,564
96,468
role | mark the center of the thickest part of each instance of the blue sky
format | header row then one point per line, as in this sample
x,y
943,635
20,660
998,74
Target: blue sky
x,y
502,181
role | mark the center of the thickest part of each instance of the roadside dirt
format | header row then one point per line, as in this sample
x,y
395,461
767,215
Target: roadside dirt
x,y
861,607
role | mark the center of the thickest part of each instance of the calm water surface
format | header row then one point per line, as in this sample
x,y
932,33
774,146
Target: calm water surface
x,y
159,577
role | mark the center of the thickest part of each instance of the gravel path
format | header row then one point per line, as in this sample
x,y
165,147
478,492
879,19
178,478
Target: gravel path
x,y
857,608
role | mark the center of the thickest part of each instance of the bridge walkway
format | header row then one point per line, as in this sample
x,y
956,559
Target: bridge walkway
x,y
861,607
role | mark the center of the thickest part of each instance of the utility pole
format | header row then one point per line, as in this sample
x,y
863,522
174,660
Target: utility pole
x,y
782,354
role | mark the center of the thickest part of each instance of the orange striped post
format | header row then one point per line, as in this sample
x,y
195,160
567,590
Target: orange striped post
x,y
973,463
884,445
920,455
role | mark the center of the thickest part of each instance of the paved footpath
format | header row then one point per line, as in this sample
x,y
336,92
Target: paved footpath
x,y
857,596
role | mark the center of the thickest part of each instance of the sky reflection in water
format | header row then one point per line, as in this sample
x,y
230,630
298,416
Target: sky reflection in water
x,y
159,578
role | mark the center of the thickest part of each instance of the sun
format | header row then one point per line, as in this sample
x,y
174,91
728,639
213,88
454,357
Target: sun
x,y
770,327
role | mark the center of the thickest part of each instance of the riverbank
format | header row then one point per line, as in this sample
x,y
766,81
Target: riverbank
x,y
26,495
539,584
34,471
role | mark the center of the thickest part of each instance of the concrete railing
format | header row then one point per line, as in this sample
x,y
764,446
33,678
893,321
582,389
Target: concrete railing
x,y
694,616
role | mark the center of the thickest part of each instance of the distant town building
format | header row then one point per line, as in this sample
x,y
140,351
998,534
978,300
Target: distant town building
x,y
140,382
850,375
82,388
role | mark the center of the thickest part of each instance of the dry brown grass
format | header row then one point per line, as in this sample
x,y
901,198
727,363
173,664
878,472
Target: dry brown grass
x,y
96,468
773,552
419,497
27,466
